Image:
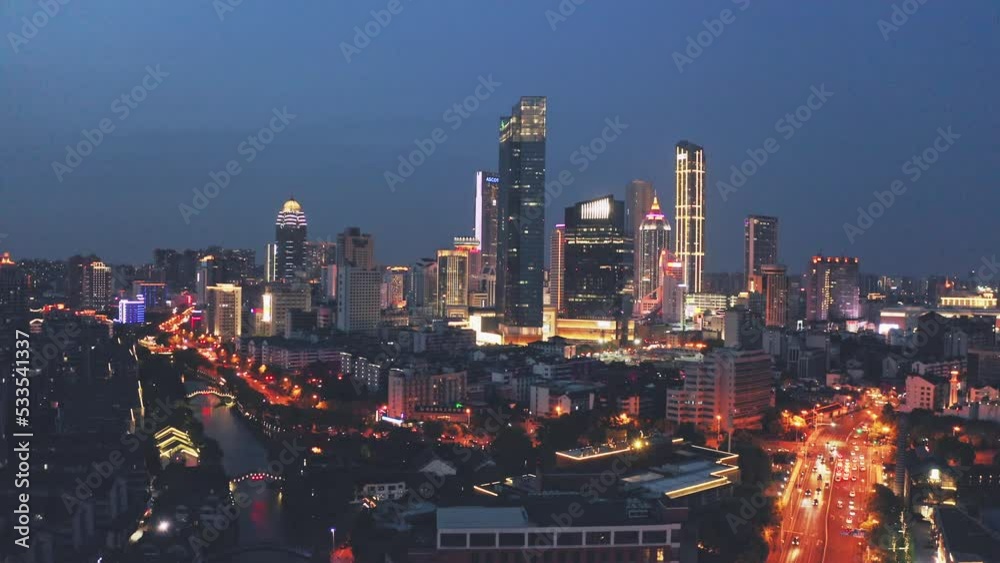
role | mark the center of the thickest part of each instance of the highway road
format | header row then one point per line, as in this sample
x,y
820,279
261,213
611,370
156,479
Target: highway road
x,y
816,532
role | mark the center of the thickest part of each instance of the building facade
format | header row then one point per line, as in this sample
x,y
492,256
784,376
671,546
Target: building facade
x,y
598,259
832,292
290,243
653,238
557,269
760,247
224,311
521,233
689,219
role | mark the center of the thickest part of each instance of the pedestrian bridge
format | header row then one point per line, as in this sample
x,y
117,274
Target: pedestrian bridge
x,y
226,396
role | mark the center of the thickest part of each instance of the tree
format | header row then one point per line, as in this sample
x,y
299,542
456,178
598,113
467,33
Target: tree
x,y
433,429
512,450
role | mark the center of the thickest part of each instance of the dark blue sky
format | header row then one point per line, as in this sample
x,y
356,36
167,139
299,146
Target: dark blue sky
x,y
607,59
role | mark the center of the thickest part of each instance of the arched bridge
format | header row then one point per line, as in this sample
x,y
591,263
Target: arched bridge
x,y
215,392
257,476
229,554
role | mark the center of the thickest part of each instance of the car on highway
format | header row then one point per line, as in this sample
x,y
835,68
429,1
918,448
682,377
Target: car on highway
x,y
840,503
795,540
815,502
809,492
850,521
852,493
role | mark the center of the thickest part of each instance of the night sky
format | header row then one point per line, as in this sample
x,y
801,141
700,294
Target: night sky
x,y
606,60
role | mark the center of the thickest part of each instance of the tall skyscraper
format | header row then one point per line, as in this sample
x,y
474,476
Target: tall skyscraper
x,y
638,201
689,219
359,282
487,215
832,292
521,235
557,269
653,237
207,276
760,247
97,286
422,297
225,308
598,259
395,283
452,283
774,287
290,243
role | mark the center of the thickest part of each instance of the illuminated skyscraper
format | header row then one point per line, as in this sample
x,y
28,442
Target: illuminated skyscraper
x,y
689,221
760,247
97,286
395,283
289,252
598,259
653,238
774,286
521,234
277,301
557,269
487,215
224,311
453,283
832,292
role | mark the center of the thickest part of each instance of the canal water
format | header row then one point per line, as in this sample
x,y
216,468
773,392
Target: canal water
x,y
264,520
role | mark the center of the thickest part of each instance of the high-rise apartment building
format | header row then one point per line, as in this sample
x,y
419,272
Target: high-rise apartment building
x,y
409,390
557,269
359,282
774,287
689,220
727,390
832,292
97,287
760,247
224,311
289,251
278,301
598,259
395,284
521,233
653,237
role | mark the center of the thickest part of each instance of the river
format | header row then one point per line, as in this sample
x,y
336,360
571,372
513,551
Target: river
x,y
265,519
